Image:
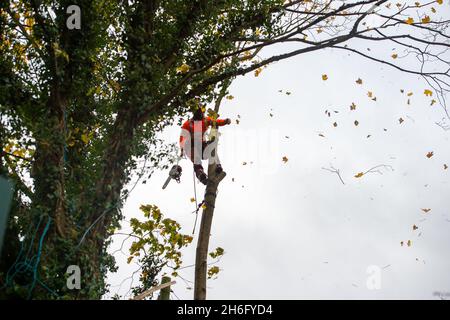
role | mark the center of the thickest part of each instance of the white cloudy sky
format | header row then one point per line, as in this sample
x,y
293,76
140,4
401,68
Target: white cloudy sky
x,y
293,230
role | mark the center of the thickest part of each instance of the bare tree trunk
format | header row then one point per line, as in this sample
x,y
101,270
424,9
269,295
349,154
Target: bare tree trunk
x,y
201,258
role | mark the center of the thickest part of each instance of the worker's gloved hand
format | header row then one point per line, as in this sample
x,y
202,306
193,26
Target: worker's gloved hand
x,y
228,121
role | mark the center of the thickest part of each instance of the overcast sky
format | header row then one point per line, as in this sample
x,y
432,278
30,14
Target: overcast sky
x,y
294,230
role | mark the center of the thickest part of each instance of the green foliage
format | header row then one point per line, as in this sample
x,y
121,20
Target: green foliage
x,y
157,246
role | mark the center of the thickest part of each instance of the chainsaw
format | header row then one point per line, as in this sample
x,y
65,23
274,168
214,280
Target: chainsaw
x,y
175,174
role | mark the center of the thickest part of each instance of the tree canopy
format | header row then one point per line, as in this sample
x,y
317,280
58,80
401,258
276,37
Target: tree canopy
x,y
81,109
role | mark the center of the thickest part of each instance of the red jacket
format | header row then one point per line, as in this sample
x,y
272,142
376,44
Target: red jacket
x,y
199,125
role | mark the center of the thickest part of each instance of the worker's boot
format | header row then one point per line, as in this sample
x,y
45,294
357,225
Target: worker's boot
x,y
219,168
200,173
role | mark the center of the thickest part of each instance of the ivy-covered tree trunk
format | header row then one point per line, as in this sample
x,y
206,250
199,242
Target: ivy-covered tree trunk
x,y
80,107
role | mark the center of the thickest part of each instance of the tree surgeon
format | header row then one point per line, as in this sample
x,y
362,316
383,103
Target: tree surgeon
x,y
194,144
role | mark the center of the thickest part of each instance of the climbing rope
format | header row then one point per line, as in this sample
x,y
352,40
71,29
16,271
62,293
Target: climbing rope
x,y
197,206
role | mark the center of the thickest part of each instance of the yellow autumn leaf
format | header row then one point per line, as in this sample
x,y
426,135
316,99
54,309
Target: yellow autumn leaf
x,y
394,56
409,20
257,72
85,138
192,199
359,175
359,81
430,154
324,77
230,97
184,68
426,19
439,1
426,210
285,159
428,93
204,206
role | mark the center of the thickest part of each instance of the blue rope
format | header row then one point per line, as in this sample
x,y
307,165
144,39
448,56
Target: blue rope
x,y
38,258
24,264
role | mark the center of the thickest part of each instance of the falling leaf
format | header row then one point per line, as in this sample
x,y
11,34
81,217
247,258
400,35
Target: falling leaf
x,y
426,210
285,159
324,77
439,1
409,20
394,56
359,81
430,154
204,206
257,72
368,136
370,94
432,102
270,114
244,163
230,97
356,122
321,135
288,93
401,120
401,243
445,167
410,94
359,175
287,137
232,179
237,121
353,106
415,227
335,124
428,92
402,91
409,243
192,199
